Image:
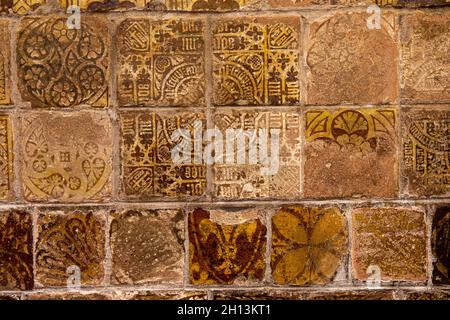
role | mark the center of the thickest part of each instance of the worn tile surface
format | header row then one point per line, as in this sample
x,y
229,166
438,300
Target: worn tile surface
x,y
19,6
315,3
427,295
357,67
161,62
147,246
5,85
258,295
226,246
69,239
412,3
440,245
256,61
62,68
425,63
308,245
6,157
16,251
279,177
160,295
394,239
350,153
352,295
66,157
425,166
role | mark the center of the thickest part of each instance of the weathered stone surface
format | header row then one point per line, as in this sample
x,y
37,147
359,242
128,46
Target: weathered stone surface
x,y
147,167
16,251
69,240
351,153
316,3
62,68
259,295
412,3
394,239
425,63
5,85
66,157
161,62
256,61
67,296
279,177
427,295
226,246
308,245
425,169
352,295
440,245
357,67
6,157
160,295
147,246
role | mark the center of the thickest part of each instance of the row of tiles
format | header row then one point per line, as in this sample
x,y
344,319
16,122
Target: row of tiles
x,y
292,245
254,154
255,61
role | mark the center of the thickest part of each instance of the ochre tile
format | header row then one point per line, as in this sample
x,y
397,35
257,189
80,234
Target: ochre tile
x,y
425,64
161,62
19,6
354,67
270,294
440,245
147,246
316,3
425,167
256,61
412,3
69,239
309,245
16,251
68,295
5,86
279,177
66,157
426,295
226,246
352,295
394,239
350,153
62,68
6,157
148,169
160,295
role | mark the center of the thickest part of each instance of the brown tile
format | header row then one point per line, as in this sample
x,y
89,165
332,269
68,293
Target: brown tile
x,y
440,245
309,245
67,296
351,153
357,67
427,295
9,297
70,238
424,57
66,157
316,3
161,62
16,251
269,294
19,6
256,61
147,246
160,295
411,3
5,95
352,295
62,68
279,177
425,169
394,239
226,246
6,158
148,169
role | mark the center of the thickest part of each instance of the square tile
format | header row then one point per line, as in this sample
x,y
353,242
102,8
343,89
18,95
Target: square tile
x,y
161,62
256,61
19,6
6,157
5,95
440,245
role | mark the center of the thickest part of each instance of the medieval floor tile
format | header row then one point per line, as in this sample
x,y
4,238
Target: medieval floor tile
x,y
411,3
351,153
317,3
392,240
226,246
5,86
160,295
427,295
309,245
19,6
258,295
67,296
6,157
352,295
256,61
66,157
440,245
16,251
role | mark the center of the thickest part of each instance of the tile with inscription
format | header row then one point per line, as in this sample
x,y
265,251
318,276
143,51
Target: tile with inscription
x,y
66,157
350,153
394,240
161,62
226,246
309,245
70,248
256,61
148,167
60,67
5,95
357,67
6,157
147,246
425,63
16,250
440,245
425,169
261,155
